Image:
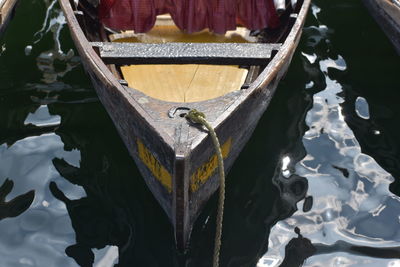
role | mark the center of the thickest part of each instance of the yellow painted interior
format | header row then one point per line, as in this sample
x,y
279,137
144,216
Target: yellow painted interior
x,y
183,83
204,172
155,167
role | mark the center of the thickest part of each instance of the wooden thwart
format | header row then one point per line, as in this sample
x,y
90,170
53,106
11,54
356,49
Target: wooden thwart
x,y
186,53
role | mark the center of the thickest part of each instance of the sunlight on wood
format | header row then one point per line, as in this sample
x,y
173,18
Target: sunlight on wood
x,y
183,83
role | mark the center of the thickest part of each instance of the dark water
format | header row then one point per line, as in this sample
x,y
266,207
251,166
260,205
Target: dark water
x,y
317,185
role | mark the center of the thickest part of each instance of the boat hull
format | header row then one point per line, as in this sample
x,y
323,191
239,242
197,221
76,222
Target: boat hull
x,y
6,13
387,15
199,161
176,158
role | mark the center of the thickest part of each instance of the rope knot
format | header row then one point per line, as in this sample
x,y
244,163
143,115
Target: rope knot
x,y
196,116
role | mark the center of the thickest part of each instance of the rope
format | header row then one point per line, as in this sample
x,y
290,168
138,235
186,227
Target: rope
x,y
199,117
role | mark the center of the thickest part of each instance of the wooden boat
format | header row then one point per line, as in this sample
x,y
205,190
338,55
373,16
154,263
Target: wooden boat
x,y
147,82
6,13
387,15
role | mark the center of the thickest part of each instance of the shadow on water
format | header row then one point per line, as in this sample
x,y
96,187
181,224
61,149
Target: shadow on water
x,y
117,209
300,249
15,206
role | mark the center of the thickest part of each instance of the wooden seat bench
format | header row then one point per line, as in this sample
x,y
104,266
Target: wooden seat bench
x,y
186,53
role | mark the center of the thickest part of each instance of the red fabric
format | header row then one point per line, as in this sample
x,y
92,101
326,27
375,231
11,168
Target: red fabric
x,y
257,14
190,16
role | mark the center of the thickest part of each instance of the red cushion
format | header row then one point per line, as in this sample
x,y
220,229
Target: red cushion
x,y
190,16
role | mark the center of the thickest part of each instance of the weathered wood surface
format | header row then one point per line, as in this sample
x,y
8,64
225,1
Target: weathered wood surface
x,y
176,158
184,83
387,15
6,12
186,53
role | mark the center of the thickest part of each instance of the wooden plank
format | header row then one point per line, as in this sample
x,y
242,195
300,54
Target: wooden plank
x,y
212,81
186,53
184,83
162,82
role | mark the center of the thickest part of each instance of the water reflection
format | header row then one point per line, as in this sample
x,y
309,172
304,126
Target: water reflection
x,y
353,219
23,107
53,63
37,236
303,192
263,187
299,249
119,211
91,225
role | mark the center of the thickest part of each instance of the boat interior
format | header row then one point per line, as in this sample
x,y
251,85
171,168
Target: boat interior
x,y
184,83
188,82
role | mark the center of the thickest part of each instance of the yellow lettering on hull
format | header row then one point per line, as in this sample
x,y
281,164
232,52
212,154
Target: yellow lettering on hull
x,y
202,174
155,167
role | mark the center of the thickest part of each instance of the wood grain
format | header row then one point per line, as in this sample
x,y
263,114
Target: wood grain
x,y
183,83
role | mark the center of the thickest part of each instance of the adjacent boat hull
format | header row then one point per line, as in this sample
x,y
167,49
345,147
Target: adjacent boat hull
x,y
176,158
6,13
387,15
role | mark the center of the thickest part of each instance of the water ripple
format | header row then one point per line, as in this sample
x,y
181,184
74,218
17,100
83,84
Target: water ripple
x,y
354,216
